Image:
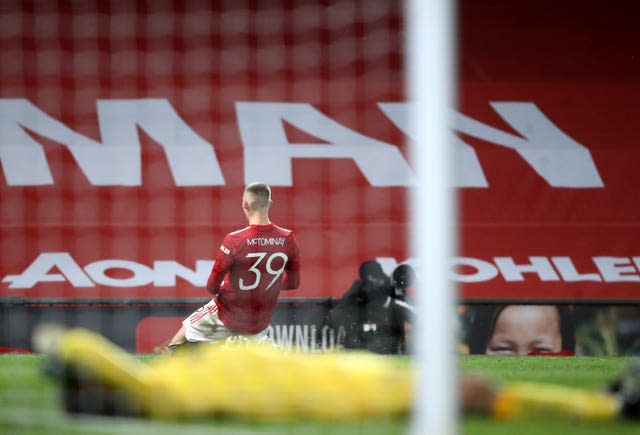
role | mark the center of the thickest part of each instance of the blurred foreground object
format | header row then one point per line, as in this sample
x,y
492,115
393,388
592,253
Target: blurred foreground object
x,y
241,379
261,382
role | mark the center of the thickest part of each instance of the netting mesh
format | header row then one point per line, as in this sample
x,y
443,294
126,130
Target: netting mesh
x,y
130,128
341,58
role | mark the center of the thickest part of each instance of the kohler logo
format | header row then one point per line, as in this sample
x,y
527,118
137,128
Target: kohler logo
x,y
116,161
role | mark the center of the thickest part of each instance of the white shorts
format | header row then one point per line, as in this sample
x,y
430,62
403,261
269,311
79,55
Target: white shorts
x,y
205,325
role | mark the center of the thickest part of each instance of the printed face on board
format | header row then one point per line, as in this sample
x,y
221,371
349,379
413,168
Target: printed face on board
x,y
521,329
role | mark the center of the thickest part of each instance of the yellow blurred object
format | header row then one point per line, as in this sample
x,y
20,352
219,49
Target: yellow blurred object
x,y
261,382
522,400
247,380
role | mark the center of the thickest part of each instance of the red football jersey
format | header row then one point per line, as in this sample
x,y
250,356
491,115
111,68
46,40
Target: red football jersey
x,y
255,263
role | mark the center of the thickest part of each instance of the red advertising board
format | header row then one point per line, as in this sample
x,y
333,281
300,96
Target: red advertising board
x,y
128,130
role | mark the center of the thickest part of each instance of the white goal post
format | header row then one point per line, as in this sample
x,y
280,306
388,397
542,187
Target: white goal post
x,y
431,80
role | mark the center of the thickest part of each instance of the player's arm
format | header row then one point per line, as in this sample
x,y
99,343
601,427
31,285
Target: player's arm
x,y
527,399
221,266
291,275
516,400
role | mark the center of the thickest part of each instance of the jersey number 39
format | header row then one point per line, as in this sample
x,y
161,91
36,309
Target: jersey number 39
x,y
274,274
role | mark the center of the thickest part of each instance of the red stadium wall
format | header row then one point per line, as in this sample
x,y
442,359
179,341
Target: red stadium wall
x,y
127,130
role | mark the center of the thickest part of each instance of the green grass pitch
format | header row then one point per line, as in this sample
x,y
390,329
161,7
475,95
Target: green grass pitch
x,y
29,404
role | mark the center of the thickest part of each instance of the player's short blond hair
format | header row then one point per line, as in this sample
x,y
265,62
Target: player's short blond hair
x,y
260,195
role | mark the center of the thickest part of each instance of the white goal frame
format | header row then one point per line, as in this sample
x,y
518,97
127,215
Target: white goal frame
x,y
431,79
